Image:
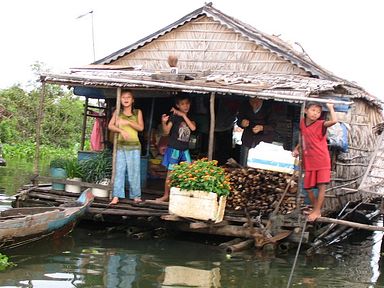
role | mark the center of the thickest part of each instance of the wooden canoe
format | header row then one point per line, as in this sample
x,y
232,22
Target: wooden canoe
x,y
20,226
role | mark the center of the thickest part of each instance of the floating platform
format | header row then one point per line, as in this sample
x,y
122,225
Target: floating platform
x,y
155,214
275,231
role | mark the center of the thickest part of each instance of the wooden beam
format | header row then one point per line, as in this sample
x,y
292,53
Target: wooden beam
x,y
211,126
227,230
84,124
122,212
38,128
72,182
200,225
171,217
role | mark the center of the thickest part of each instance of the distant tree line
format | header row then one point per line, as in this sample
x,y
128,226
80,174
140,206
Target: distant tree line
x,y
62,118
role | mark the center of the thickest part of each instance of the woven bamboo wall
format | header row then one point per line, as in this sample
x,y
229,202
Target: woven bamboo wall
x,y
350,167
206,45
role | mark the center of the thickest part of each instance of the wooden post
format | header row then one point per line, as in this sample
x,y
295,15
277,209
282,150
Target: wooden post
x,y
211,125
40,116
150,125
246,244
84,124
118,102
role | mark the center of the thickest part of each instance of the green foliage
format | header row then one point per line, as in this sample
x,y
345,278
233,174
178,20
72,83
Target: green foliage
x,y
26,150
18,118
73,168
60,125
202,175
97,168
5,263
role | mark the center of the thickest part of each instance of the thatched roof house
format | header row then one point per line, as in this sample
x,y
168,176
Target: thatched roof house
x,y
219,56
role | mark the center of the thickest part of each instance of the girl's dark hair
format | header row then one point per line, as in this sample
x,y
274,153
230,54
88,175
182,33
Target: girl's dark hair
x,y
181,97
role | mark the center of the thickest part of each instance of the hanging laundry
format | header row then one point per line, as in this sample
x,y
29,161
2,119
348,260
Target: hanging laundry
x,y
97,141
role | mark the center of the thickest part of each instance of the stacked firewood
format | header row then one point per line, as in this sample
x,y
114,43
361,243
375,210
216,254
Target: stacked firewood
x,y
259,191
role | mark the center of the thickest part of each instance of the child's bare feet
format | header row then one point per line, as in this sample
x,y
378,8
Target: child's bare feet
x,y
137,200
114,201
314,215
307,210
162,199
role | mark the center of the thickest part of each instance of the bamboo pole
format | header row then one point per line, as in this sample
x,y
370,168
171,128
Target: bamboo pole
x,y
84,124
300,176
350,224
118,102
40,116
211,126
228,230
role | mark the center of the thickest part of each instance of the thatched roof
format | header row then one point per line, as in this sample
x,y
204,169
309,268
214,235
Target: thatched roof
x,y
216,53
271,43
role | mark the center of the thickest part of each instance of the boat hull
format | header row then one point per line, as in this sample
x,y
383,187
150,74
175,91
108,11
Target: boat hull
x,y
21,226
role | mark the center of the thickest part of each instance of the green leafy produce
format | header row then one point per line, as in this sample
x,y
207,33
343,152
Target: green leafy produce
x,y
73,168
97,168
202,175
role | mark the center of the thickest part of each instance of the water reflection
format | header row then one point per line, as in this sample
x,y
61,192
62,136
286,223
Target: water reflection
x,y
16,174
192,277
121,270
94,259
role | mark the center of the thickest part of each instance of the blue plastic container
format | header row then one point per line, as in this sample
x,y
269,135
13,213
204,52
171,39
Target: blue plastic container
x,y
58,173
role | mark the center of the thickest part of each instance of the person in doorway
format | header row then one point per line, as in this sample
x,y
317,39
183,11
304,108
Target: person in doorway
x,y
255,118
226,111
178,126
127,123
315,154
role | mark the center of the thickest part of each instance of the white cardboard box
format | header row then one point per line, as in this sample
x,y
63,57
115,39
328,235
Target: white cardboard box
x,y
199,205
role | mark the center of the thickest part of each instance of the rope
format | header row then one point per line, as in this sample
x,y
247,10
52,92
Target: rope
x,y
297,254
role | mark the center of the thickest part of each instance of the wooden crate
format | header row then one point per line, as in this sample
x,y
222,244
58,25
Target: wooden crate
x,y
199,205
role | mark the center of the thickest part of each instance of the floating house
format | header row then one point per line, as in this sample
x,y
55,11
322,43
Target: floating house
x,y
219,61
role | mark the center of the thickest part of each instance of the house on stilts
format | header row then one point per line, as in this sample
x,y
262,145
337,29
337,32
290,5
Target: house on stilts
x,y
219,61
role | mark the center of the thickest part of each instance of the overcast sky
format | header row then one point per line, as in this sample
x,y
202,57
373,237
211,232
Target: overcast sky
x,y
343,36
